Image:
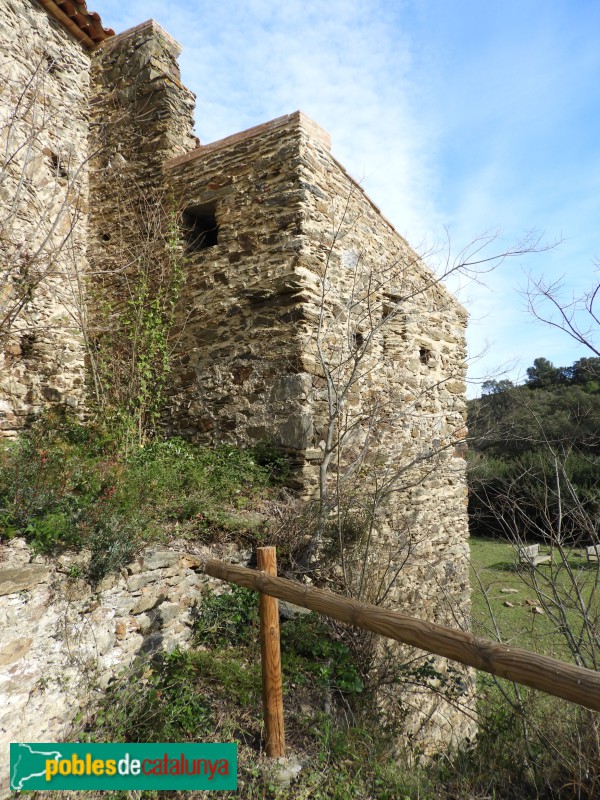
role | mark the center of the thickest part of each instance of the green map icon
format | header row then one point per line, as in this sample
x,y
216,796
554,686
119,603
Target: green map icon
x,y
28,764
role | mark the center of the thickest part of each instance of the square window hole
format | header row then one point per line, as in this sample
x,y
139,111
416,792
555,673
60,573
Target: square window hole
x,y
199,226
424,355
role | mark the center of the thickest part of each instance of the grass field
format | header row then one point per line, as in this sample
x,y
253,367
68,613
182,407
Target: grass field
x,y
507,599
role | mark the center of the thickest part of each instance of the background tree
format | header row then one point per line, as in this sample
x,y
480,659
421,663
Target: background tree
x,y
517,436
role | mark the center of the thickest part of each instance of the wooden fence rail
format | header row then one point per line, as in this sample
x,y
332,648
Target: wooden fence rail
x,y
577,684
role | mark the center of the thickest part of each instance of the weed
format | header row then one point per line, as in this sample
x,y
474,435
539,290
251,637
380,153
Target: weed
x,y
311,653
270,457
228,619
66,486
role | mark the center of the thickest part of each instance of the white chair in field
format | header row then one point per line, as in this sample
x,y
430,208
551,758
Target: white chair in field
x,y
530,555
593,552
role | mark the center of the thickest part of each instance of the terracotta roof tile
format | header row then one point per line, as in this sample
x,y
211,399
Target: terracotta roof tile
x,y
74,15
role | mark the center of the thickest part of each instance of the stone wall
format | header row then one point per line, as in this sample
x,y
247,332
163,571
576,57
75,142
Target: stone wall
x,y
140,116
238,377
309,321
80,132
383,333
61,640
43,212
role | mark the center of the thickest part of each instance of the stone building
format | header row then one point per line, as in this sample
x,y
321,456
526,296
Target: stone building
x,y
305,319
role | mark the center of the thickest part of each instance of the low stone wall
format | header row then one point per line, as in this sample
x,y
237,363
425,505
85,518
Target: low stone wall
x,y
61,640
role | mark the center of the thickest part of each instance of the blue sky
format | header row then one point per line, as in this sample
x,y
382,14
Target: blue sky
x,y
467,116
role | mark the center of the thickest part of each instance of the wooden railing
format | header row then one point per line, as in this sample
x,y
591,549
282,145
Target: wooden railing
x,y
558,678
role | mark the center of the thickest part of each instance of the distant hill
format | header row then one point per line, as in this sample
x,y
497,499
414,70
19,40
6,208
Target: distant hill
x,y
534,463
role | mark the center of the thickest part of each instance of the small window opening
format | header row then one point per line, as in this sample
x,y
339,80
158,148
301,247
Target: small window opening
x,y
51,64
200,229
58,165
358,340
27,342
424,355
106,237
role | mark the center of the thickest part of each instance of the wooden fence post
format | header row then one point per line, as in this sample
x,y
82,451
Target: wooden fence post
x,y
271,658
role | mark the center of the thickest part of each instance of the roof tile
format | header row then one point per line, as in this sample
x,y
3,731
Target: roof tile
x,y
74,15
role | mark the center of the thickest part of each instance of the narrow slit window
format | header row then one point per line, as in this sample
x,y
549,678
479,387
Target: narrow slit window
x,y
424,355
27,344
200,229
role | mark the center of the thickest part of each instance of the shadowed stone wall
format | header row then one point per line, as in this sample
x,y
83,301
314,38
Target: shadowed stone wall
x,y
43,211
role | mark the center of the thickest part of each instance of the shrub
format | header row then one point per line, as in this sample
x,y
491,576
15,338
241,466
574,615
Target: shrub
x,y
65,485
311,652
270,457
228,619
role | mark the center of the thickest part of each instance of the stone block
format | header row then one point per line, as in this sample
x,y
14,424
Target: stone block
x,y
148,601
170,611
18,579
14,650
159,559
296,432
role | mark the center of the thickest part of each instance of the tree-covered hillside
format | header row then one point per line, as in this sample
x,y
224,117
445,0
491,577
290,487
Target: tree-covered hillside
x,y
535,454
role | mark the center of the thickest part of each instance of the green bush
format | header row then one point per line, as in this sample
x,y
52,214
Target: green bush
x,y
66,485
228,619
311,653
49,480
270,457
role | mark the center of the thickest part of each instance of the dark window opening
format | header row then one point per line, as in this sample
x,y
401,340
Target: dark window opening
x,y
51,64
200,229
58,165
106,237
357,340
27,343
424,355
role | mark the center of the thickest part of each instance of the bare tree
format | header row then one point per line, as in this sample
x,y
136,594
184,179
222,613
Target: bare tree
x,y
383,429
538,500
40,192
577,316
117,310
